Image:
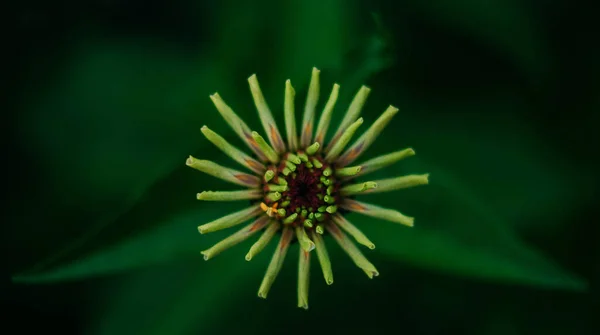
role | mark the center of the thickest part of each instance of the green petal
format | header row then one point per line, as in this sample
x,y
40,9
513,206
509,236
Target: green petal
x,y
359,259
276,262
313,148
353,231
351,114
229,195
392,184
303,278
222,172
340,144
323,256
266,118
290,116
305,242
348,172
237,124
353,189
240,236
309,109
377,212
264,239
380,162
230,220
326,115
232,151
365,141
266,149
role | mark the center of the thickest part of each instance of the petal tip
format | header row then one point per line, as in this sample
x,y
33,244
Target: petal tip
x,y
189,161
372,274
205,255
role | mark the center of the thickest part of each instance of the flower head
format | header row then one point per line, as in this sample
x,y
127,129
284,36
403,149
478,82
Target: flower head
x,y
302,188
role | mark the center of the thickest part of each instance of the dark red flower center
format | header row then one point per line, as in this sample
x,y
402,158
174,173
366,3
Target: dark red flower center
x,y
304,185
310,195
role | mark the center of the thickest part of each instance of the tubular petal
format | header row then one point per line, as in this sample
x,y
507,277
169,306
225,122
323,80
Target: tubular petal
x,y
313,148
229,195
383,161
271,155
353,231
303,278
265,116
359,259
264,239
392,184
240,236
359,188
305,242
232,151
222,172
276,262
348,172
326,115
377,212
290,116
351,114
323,257
237,124
309,109
365,141
336,149
230,220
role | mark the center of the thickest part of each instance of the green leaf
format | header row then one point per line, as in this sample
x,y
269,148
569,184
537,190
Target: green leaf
x,y
114,121
495,159
505,25
490,176
170,240
178,295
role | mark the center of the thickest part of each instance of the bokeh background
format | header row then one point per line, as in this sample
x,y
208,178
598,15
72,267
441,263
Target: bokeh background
x,y
499,98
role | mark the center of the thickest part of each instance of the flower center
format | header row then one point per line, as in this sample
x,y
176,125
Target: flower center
x,y
303,188
301,191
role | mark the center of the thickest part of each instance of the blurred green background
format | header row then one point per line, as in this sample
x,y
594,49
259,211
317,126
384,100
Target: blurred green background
x,y
499,99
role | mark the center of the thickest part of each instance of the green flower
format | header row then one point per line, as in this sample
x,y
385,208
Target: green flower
x,y
303,188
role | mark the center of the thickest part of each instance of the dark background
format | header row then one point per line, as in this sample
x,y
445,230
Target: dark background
x,y
499,99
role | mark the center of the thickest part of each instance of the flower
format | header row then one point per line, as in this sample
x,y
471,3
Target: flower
x,y
303,187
